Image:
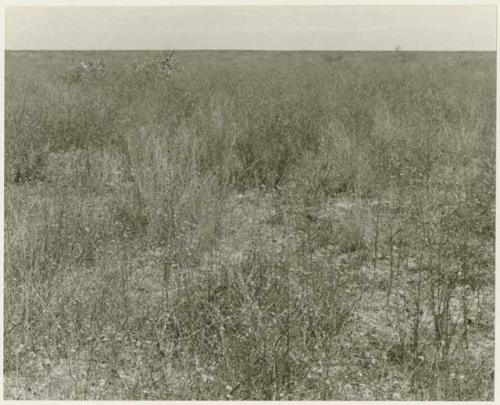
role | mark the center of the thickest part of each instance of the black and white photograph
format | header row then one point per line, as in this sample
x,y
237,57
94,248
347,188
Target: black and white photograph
x,y
252,201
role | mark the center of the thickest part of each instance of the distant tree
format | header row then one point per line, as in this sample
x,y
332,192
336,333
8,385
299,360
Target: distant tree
x,y
398,48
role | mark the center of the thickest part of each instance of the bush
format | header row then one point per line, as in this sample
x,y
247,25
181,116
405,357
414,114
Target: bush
x,y
91,69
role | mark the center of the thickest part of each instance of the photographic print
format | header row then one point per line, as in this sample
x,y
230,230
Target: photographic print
x,y
261,202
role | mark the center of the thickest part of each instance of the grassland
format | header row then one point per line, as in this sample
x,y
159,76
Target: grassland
x,y
249,225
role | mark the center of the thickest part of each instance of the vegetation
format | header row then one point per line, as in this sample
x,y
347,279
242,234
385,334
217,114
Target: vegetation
x,y
249,225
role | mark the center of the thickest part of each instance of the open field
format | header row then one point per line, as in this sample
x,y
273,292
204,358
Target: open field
x,y
249,225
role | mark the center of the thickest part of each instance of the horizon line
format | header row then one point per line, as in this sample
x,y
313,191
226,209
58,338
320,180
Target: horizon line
x,y
249,50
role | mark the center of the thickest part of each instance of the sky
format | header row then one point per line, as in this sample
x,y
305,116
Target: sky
x,y
253,27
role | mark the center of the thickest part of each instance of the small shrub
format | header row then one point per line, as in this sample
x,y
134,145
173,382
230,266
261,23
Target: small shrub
x,y
91,69
160,67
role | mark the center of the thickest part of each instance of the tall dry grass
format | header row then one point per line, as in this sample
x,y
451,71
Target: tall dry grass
x,y
249,226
